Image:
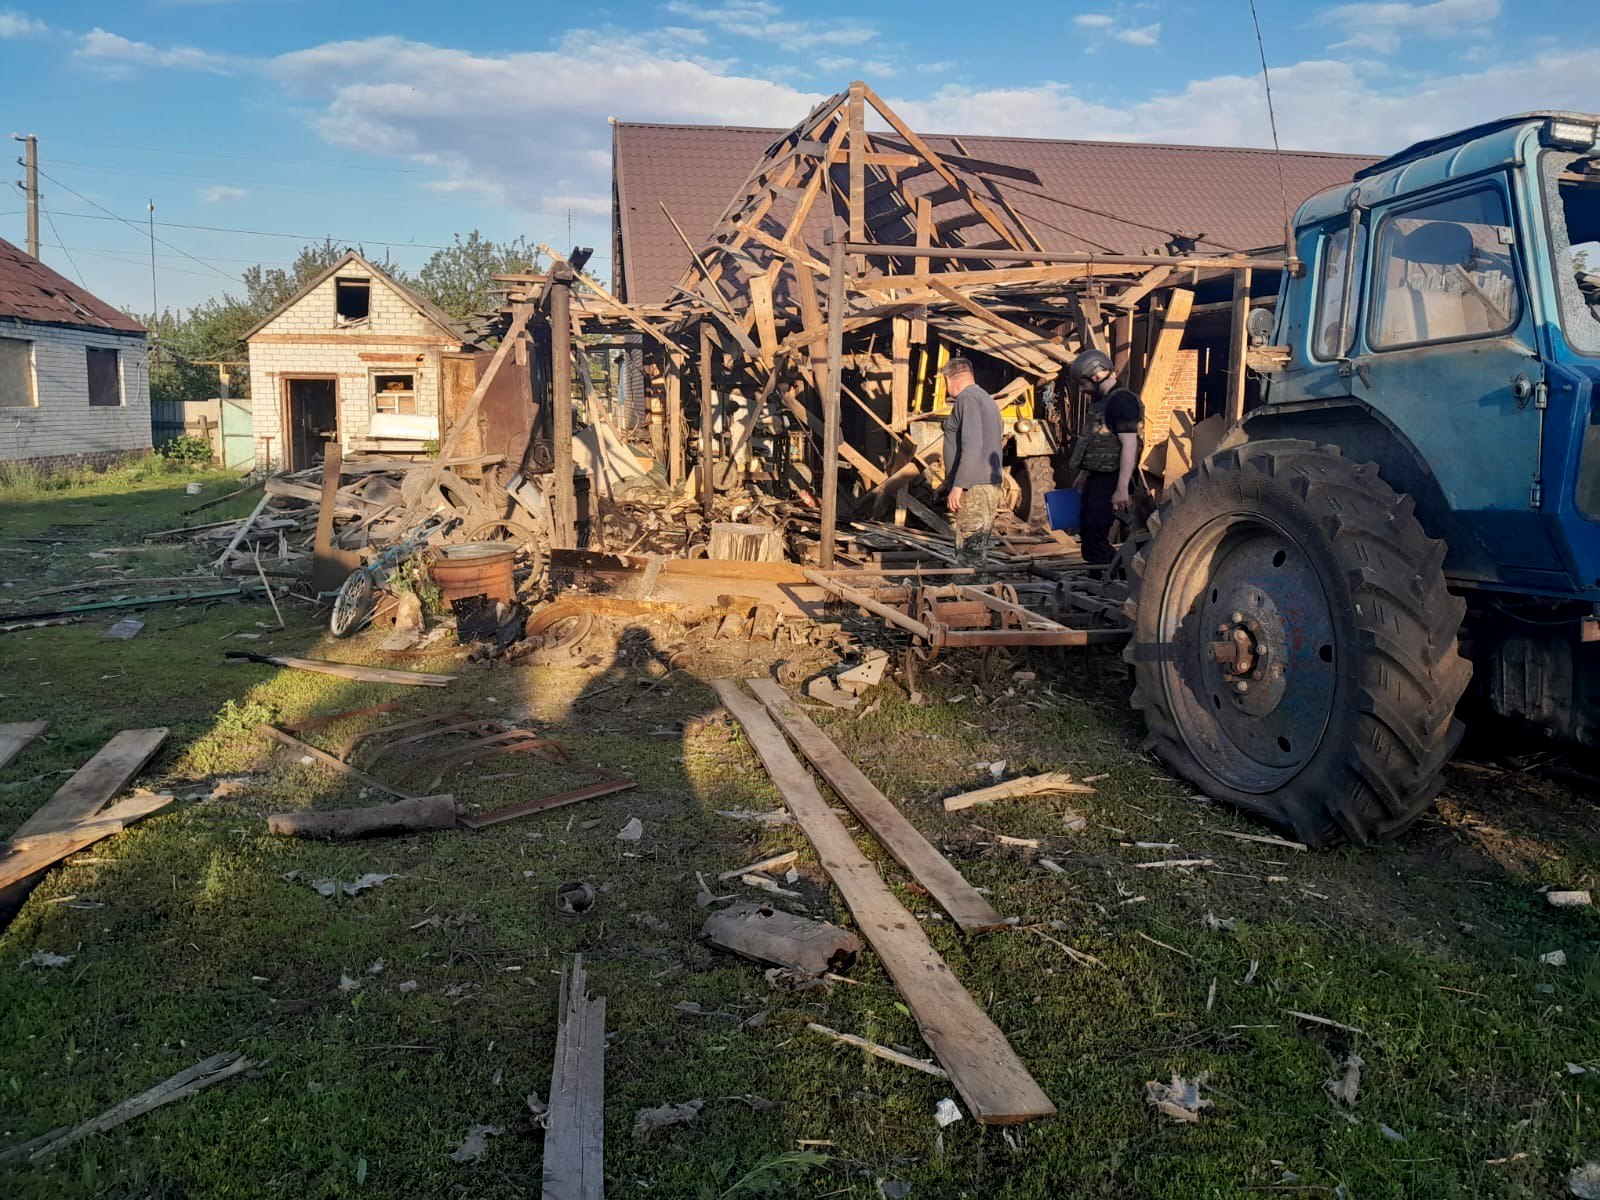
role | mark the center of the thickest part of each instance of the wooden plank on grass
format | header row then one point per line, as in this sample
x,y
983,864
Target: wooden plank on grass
x,y
574,1136
883,820
982,1065
345,670
93,784
15,737
34,852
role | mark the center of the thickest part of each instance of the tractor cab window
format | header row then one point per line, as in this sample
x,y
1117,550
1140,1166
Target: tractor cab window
x,y
1574,184
1329,340
1444,271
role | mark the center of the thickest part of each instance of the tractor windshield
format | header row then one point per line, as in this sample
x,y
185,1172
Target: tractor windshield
x,y
1575,232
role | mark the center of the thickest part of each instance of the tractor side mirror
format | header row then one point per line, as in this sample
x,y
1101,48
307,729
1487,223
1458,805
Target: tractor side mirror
x,y
1258,326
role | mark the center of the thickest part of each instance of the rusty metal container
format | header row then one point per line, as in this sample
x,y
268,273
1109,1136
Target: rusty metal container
x,y
475,569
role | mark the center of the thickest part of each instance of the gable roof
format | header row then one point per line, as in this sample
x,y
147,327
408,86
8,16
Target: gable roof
x,y
420,302
31,291
1229,194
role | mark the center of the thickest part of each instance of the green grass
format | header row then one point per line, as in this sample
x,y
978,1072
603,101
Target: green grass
x,y
1429,946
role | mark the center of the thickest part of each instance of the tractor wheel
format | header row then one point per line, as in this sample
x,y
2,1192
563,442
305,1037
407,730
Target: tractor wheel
x,y
1034,477
1294,648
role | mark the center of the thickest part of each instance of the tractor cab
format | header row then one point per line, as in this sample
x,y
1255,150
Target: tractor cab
x,y
1448,319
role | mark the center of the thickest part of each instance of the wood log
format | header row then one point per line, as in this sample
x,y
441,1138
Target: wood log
x,y
425,812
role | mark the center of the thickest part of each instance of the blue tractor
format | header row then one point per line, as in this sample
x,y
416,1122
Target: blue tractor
x,y
1409,522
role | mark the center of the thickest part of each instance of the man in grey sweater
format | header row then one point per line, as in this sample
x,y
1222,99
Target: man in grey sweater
x,y
972,450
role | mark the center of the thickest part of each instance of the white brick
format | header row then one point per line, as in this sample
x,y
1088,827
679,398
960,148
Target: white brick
x,y
64,423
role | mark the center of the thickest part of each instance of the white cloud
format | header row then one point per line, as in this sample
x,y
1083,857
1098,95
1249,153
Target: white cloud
x,y
14,24
760,20
1094,20
117,55
1145,35
222,193
1381,27
526,131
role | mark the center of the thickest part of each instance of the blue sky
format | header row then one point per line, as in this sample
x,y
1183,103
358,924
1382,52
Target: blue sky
x,y
406,122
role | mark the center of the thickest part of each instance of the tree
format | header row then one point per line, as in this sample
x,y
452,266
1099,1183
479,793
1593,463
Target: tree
x,y
460,278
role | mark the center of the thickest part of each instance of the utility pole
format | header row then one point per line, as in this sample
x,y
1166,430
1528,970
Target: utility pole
x,y
30,186
155,312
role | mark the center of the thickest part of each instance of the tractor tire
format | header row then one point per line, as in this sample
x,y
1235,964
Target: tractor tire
x,y
1294,647
1034,477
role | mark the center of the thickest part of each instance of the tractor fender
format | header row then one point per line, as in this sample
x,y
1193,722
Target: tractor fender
x,y
1363,434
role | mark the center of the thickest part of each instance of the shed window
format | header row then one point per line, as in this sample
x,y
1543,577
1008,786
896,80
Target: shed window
x,y
17,389
1444,272
105,379
394,394
352,300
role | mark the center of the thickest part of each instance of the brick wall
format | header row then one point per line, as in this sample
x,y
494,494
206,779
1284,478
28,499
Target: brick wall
x,y
1180,393
306,339
63,428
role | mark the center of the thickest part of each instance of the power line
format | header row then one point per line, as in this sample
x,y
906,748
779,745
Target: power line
x,y
282,162
52,223
260,184
131,225
128,257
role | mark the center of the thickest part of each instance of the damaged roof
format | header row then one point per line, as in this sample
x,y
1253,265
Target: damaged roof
x,y
32,292
1116,197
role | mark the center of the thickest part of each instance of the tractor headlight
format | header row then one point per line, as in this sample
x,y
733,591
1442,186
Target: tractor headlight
x,y
1024,426
1568,134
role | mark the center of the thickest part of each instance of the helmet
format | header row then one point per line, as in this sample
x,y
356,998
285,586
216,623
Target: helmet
x,y
1086,364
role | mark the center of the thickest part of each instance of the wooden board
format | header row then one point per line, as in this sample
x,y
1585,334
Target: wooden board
x,y
93,784
986,1071
903,840
14,738
345,670
34,852
574,1137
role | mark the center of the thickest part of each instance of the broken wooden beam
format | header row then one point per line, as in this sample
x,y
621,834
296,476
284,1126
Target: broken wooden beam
x,y
345,670
15,737
764,934
1027,785
982,1064
574,1136
883,1052
903,840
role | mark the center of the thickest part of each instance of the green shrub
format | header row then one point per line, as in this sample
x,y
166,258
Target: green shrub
x,y
187,450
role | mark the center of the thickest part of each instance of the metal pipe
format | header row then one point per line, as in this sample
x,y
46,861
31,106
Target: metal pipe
x,y
861,600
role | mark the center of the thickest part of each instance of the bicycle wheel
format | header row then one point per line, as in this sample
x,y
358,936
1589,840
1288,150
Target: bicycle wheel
x,y
354,604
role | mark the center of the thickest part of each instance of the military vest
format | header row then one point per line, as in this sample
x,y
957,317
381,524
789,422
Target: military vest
x,y
1098,449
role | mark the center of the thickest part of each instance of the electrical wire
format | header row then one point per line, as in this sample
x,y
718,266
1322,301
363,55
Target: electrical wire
x,y
1277,151
144,232
52,222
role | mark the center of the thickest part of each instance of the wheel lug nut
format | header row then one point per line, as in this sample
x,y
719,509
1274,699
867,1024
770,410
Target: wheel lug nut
x,y
1237,618
1241,687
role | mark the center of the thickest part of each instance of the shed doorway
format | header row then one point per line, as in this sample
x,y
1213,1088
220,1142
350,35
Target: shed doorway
x,y
310,418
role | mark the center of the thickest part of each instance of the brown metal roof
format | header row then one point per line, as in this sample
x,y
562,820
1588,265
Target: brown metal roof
x,y
1230,195
31,291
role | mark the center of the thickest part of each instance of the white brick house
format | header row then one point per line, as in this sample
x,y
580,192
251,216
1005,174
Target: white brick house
x,y
74,372
354,355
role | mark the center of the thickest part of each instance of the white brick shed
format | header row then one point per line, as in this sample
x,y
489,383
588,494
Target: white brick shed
x,y
354,355
74,372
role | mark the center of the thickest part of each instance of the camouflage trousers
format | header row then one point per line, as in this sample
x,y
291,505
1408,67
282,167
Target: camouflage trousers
x,y
973,523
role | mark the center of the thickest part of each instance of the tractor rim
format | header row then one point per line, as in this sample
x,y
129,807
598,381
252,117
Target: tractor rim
x,y
1250,671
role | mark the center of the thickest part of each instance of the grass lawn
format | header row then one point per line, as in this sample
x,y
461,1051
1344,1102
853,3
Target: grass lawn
x,y
1481,1071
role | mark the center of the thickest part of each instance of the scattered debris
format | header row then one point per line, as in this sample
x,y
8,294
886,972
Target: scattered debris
x,y
346,984
1217,924
827,689
1584,1181
766,935
408,628
1179,1099
1569,899
946,1113
866,674
1555,958
344,670
1025,785
1393,1135
1344,1088
632,831
123,630
774,816
575,898
181,1086
332,888
883,1052
44,958
663,1116
476,1144
785,859
1260,838
768,885
409,985
1315,1020
1174,862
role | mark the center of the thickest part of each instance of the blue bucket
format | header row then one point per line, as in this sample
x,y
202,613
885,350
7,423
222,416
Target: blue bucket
x,y
1062,506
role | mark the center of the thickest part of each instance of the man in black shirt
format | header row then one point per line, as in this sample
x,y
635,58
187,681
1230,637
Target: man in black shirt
x,y
1106,452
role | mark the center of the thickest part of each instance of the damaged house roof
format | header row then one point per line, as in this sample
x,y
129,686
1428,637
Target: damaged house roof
x,y
1230,195
32,292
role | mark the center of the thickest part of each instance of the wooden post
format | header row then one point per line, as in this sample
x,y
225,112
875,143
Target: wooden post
x,y
856,115
900,375
564,534
919,327
1238,344
675,453
708,402
1122,344
830,404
